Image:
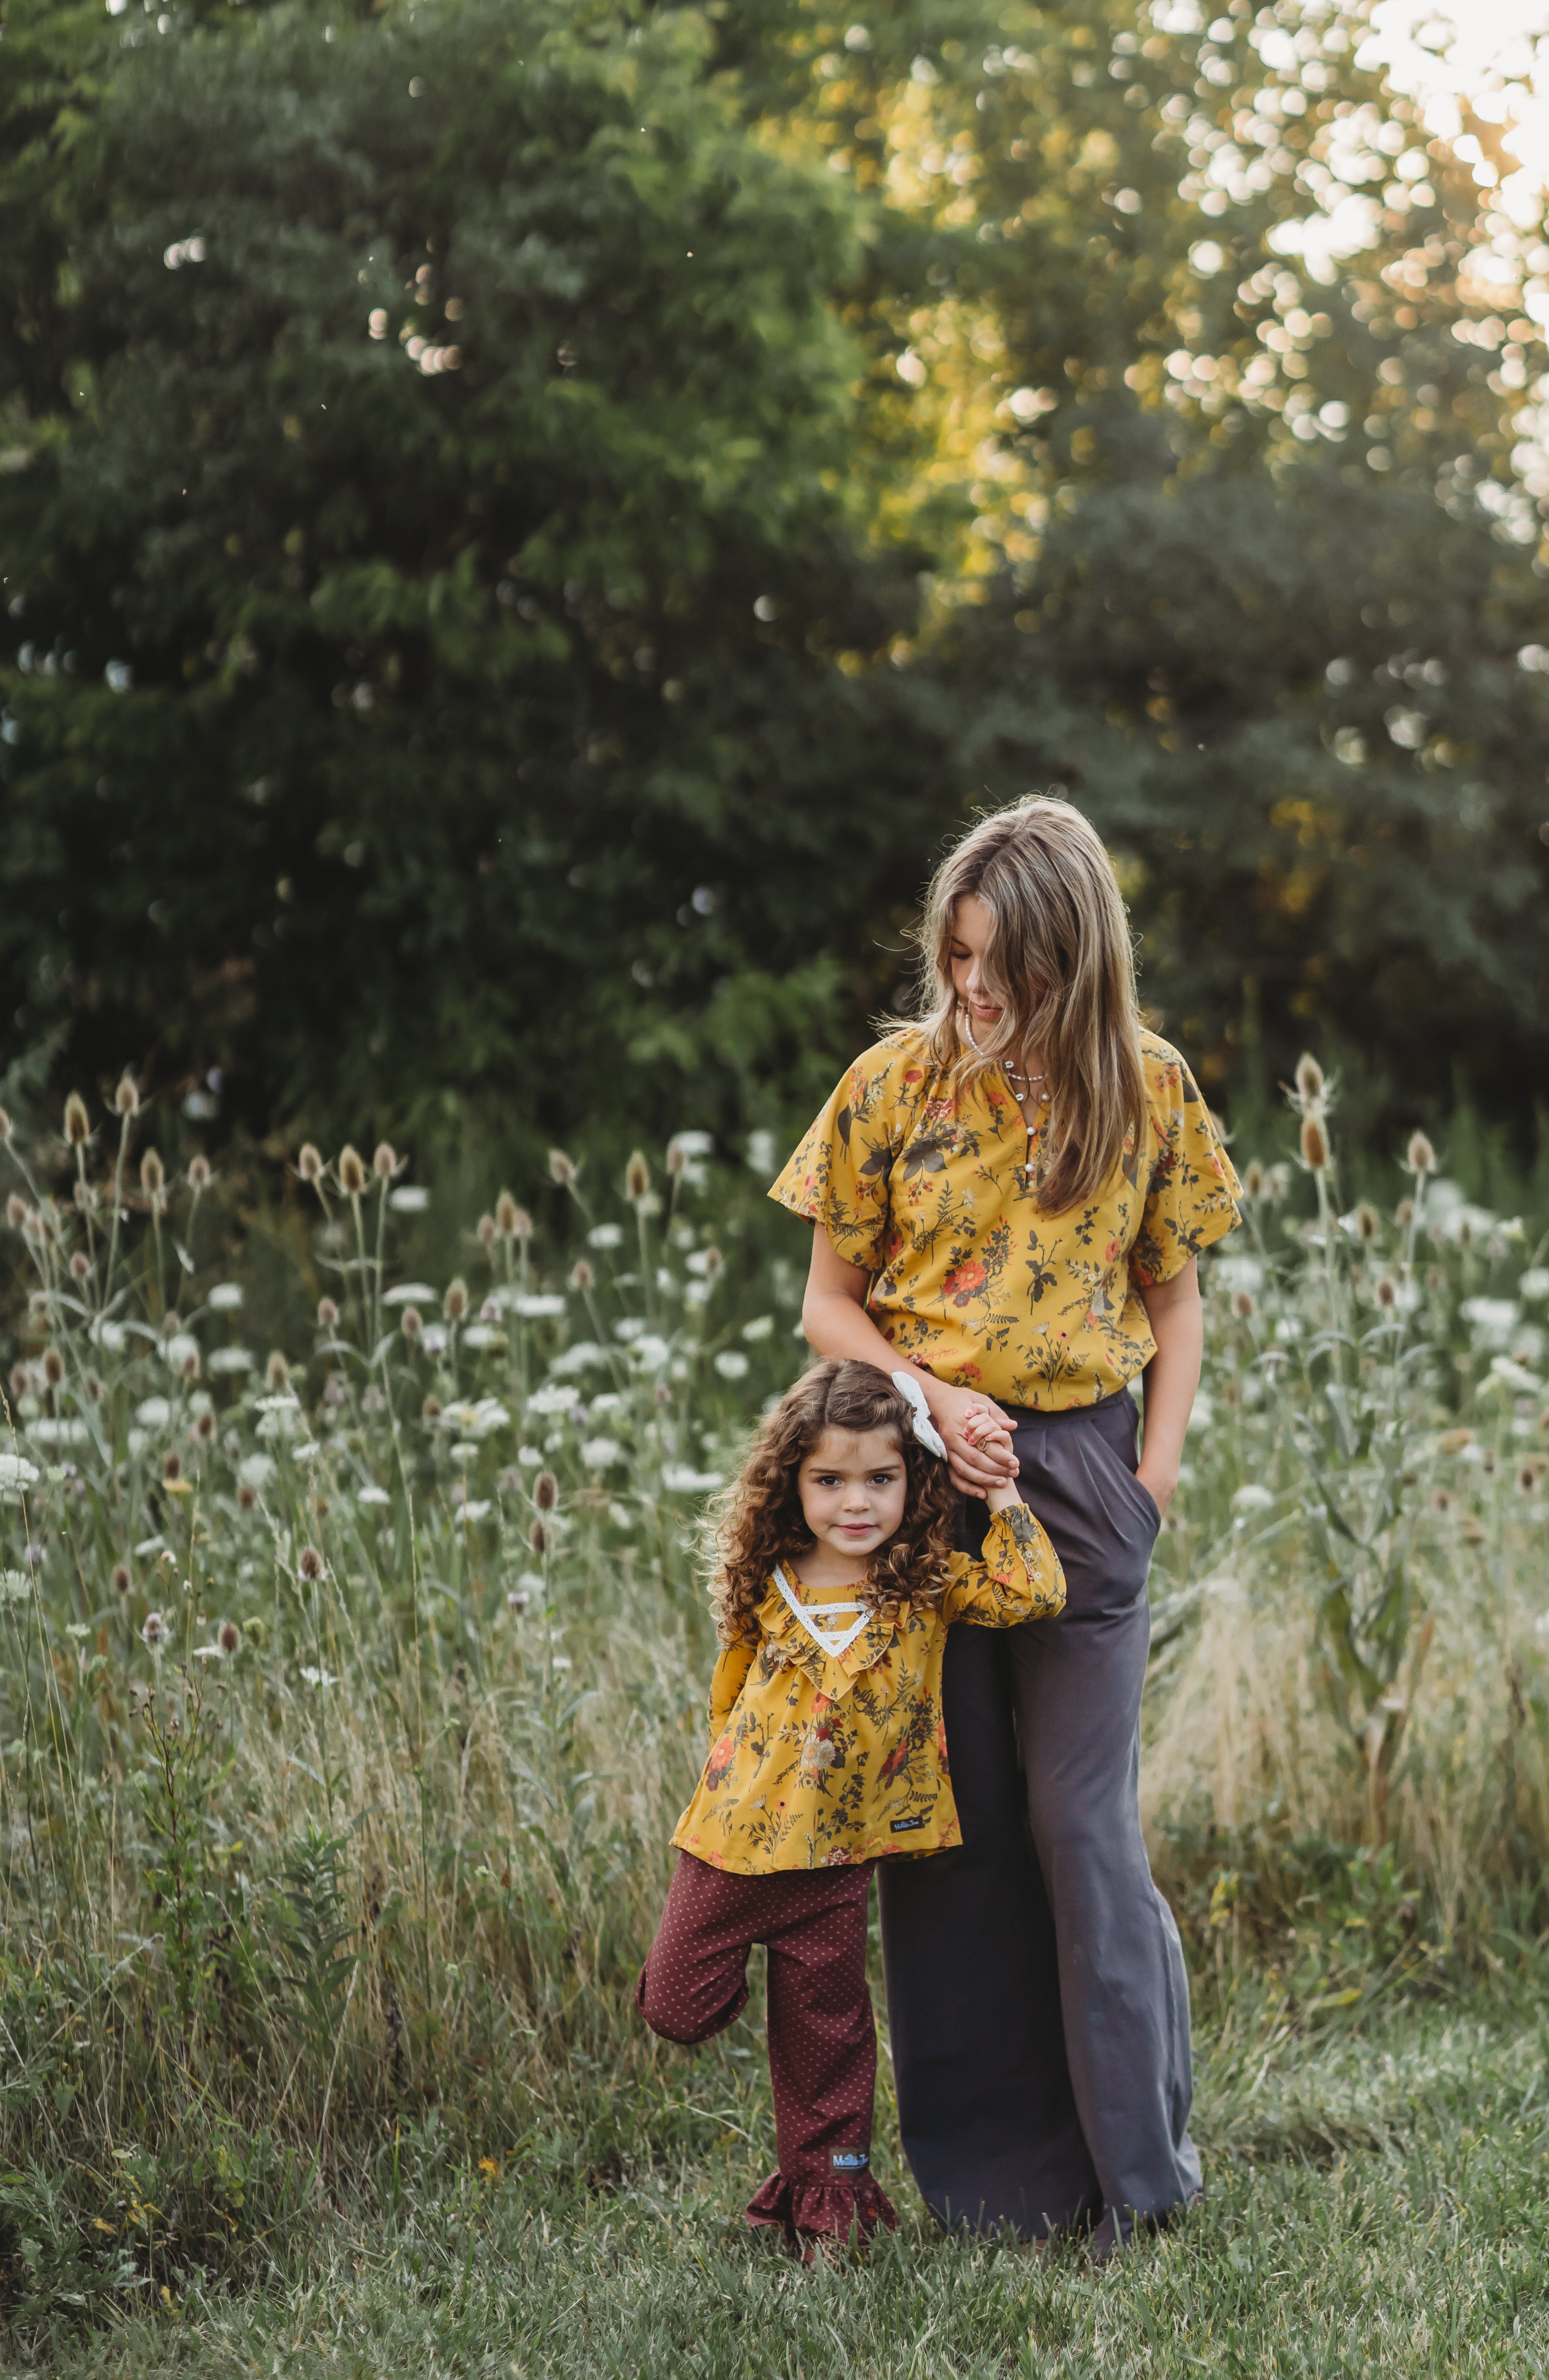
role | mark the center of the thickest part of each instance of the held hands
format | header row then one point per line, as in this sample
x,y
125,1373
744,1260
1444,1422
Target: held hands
x,y
979,1438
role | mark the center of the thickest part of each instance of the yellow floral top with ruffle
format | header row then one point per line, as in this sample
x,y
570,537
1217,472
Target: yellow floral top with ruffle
x,y
822,1759
932,1187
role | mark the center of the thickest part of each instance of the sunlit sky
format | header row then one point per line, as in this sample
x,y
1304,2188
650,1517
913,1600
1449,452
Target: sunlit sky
x,y
1493,58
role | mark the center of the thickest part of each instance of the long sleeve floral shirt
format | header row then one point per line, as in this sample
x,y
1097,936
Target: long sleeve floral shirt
x,y
933,1188
820,1760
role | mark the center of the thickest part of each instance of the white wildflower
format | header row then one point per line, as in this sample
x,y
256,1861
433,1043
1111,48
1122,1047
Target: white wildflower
x,y
605,1236
153,1412
409,1199
256,1470
1252,1498
230,1359
731,1364
372,1496
410,1292
682,1479
597,1454
17,1472
556,1396
759,1328
225,1297
539,1304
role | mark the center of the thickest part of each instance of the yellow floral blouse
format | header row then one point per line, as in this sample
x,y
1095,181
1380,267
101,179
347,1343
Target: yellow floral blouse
x,y
820,1760
933,1188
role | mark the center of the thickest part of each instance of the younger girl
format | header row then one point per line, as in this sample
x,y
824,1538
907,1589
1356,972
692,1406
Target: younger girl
x,y
836,1583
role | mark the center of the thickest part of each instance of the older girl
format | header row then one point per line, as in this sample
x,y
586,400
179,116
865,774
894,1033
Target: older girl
x,y
1011,1194
836,1583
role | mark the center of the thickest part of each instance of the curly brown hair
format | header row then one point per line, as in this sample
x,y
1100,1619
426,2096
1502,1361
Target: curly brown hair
x,y
757,1521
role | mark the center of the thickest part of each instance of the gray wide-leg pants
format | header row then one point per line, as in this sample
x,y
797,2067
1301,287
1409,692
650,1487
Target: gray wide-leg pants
x,y
1037,2001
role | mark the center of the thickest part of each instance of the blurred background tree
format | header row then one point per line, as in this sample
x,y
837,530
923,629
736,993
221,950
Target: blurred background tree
x,y
525,528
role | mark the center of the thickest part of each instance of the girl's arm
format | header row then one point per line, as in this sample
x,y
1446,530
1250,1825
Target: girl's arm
x,y
727,1680
1177,1319
837,1324
1017,1575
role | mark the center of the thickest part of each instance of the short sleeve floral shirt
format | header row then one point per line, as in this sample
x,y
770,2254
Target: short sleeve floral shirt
x,y
932,1187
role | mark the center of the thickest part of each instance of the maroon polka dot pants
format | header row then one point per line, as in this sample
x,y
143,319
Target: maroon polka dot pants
x,y
822,2039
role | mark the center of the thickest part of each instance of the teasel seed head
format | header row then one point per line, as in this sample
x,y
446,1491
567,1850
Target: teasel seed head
x,y
1403,1214
125,1098
172,1323
637,1178
245,1497
173,1467
309,1563
16,1212
350,1166
199,1176
1242,1305
121,1582
93,1389
507,1213
1314,1146
1387,1295
277,1372
538,1538
509,1482
677,1158
153,1175
204,1428
521,1225
155,1631
561,1169
1421,1157
486,1231
6,1127
309,1162
54,1368
454,1304
1253,1181
81,1265
229,1638
581,1275
430,1409
1309,1080
188,1368
546,1491
328,1315
1367,1223
384,1161
715,1263
21,1380
517,1599
77,1123
411,1322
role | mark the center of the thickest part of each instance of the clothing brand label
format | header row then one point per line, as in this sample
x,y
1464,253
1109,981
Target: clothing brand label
x,y
849,2160
906,1826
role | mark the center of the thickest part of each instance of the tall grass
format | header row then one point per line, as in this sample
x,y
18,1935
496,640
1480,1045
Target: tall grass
x,y
348,1692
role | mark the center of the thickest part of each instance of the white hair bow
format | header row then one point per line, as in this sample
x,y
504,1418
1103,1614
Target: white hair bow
x,y
926,1430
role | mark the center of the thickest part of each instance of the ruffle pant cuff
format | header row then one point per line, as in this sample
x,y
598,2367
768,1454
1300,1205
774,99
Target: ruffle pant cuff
x,y
823,2209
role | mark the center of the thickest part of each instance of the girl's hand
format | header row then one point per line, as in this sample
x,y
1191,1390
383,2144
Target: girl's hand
x,y
978,1435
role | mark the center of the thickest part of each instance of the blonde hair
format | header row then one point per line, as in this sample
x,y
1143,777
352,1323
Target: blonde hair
x,y
1060,958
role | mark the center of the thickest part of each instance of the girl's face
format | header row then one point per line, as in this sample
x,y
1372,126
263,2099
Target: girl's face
x,y
972,928
853,1488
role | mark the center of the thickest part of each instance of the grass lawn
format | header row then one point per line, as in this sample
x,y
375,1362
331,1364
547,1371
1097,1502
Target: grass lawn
x,y
1378,2203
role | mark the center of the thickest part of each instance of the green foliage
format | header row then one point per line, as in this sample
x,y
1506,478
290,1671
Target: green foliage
x,y
450,437
840,431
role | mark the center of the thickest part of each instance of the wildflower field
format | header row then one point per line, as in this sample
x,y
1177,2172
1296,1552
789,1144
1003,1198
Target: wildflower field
x,y
352,1655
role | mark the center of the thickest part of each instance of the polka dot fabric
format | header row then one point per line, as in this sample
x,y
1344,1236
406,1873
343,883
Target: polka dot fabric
x,y
821,2036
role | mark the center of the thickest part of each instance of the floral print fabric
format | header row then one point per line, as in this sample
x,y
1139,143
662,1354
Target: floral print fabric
x,y
817,1760
933,1188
